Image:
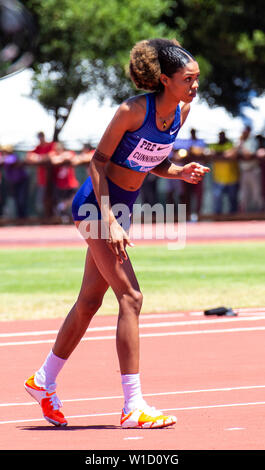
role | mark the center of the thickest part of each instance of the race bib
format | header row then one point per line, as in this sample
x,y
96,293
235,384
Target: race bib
x,y
148,155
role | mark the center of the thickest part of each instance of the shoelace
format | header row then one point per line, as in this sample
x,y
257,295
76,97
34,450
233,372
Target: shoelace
x,y
151,410
56,403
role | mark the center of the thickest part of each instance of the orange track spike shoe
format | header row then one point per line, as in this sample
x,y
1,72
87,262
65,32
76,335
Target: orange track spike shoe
x,y
148,417
48,401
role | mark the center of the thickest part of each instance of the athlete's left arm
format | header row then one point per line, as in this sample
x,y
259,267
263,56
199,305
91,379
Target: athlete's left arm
x,y
191,172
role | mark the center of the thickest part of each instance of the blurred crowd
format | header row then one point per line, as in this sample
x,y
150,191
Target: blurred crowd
x,y
235,185
238,172
54,178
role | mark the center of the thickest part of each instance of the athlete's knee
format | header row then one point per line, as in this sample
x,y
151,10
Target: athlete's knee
x,y
88,306
131,301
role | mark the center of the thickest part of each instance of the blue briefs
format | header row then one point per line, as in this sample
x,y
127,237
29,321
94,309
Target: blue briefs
x,y
85,205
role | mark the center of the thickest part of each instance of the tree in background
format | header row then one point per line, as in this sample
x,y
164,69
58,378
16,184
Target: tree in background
x,y
228,39
84,47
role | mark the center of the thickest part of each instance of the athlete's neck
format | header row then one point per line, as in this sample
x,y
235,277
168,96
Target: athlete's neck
x,y
165,105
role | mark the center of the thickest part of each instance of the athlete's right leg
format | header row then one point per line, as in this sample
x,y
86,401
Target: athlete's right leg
x,y
90,298
42,384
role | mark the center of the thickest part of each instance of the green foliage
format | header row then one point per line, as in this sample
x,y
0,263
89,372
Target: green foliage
x,y
84,47
228,37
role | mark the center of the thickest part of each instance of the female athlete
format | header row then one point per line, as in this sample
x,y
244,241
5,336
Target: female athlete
x,y
138,140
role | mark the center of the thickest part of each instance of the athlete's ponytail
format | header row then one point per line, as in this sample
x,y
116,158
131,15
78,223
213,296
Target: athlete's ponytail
x,y
150,58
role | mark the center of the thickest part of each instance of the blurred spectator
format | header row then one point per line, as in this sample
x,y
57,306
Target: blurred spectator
x,y
149,193
225,174
1,187
260,146
40,157
260,154
192,143
250,173
65,180
17,180
86,155
188,194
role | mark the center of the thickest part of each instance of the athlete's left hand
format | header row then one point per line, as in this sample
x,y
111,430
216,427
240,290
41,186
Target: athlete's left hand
x,y
193,172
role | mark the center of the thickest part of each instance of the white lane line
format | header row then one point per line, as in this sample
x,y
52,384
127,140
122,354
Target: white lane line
x,y
132,438
145,335
234,429
223,405
151,316
115,413
155,394
28,333
197,332
143,325
29,420
147,325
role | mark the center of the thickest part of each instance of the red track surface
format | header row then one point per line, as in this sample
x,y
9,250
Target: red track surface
x,y
206,370
68,235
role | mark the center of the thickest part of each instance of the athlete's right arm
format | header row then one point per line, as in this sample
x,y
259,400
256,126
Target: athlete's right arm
x,y
127,117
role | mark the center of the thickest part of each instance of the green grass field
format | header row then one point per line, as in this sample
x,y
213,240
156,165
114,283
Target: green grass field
x,y
44,282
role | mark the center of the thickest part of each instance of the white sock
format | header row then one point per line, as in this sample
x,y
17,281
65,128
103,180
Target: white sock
x,y
132,392
46,375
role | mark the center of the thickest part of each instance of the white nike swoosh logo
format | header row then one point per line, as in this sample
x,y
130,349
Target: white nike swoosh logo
x,y
173,132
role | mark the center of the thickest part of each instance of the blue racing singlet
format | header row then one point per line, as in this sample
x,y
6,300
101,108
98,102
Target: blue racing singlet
x,y
141,150
145,148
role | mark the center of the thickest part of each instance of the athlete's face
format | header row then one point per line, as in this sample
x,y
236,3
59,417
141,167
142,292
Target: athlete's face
x,y
184,83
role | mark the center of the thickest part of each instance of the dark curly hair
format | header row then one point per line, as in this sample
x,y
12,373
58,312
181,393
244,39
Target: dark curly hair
x,y
150,58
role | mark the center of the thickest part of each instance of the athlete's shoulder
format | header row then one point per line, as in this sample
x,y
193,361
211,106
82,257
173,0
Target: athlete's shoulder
x,y
132,111
135,104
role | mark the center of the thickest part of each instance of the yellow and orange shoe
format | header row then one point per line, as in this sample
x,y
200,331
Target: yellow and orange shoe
x,y
48,401
147,417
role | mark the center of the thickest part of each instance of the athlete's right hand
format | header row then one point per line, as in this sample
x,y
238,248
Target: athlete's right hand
x,y
118,240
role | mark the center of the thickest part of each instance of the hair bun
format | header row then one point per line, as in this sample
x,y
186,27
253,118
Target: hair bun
x,y
144,66
146,58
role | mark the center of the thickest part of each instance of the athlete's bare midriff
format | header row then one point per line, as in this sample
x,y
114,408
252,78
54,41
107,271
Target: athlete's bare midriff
x,y
124,177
